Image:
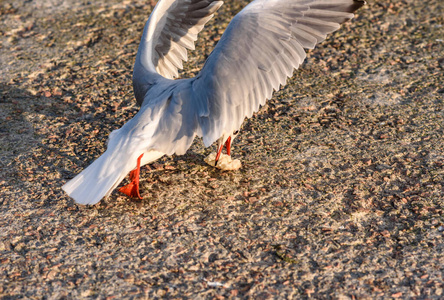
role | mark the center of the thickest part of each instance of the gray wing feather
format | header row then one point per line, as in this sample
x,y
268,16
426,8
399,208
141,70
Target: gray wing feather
x,y
170,30
177,32
260,48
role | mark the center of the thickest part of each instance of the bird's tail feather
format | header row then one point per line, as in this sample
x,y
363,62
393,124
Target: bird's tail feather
x,y
95,182
103,175
125,145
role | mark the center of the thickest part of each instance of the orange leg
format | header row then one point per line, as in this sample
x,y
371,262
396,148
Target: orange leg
x,y
219,151
132,188
228,145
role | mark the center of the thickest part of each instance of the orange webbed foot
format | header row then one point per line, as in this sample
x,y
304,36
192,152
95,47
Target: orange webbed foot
x,y
132,188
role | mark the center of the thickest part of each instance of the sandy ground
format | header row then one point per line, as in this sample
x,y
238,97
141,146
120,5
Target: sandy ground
x,y
341,193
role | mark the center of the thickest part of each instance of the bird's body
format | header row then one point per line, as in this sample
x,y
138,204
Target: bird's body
x,y
260,48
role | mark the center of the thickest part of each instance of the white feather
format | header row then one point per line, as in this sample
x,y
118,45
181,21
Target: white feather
x,y
124,147
103,175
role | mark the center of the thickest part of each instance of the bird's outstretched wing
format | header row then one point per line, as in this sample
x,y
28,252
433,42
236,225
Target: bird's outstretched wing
x,y
172,29
260,48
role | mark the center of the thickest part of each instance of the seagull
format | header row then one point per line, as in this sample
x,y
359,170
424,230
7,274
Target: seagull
x,y
261,47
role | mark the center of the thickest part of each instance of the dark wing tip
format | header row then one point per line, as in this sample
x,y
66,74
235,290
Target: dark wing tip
x,y
356,5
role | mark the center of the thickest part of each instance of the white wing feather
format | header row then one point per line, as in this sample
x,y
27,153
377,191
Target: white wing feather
x,y
172,29
261,47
